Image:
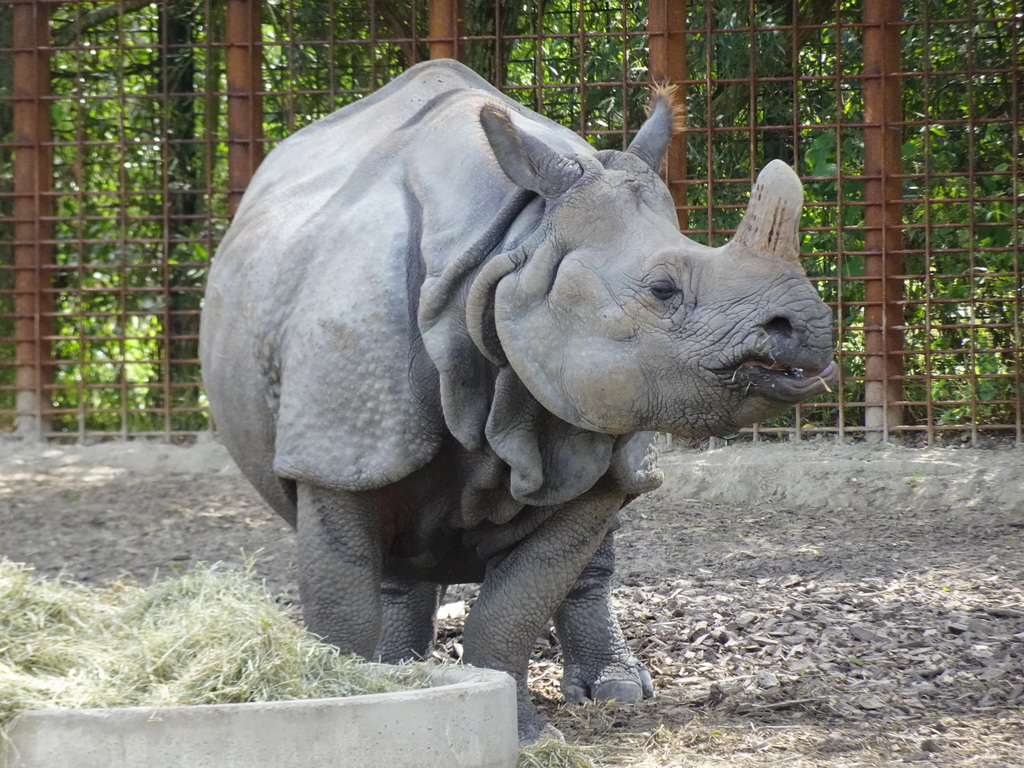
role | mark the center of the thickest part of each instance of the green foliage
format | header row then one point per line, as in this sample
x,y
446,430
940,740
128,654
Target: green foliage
x,y
136,150
962,165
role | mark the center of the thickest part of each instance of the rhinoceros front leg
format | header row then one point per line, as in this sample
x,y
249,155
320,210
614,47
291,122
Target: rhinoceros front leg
x,y
340,567
597,662
523,589
410,627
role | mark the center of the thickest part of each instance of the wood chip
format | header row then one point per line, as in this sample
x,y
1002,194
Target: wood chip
x,y
870,703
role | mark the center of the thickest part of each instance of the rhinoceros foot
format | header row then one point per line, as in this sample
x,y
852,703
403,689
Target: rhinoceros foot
x,y
626,683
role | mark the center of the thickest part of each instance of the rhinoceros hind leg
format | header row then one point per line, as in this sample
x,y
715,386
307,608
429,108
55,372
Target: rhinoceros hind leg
x,y
598,664
340,568
409,619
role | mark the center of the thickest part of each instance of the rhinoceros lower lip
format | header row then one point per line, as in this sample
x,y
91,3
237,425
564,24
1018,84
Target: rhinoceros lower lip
x,y
781,382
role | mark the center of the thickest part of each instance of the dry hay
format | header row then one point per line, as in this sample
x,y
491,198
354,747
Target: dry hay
x,y
210,636
555,754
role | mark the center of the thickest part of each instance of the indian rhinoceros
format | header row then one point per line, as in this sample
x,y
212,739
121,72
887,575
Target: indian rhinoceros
x,y
439,337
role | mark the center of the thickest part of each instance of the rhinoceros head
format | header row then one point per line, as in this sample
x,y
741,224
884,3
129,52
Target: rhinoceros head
x,y
616,322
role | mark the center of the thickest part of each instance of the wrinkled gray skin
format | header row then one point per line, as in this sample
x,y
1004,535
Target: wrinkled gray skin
x,y
438,338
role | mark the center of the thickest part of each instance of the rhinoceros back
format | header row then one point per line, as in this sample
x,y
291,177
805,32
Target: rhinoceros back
x,y
312,357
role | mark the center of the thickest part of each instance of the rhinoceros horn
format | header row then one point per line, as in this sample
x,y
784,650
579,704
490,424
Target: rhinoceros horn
x,y
771,225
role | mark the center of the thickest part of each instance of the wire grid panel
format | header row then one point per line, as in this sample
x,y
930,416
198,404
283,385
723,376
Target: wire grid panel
x,y
962,219
948,269
139,146
140,151
585,69
136,205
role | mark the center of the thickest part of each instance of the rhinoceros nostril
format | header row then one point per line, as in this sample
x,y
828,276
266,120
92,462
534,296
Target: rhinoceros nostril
x,y
780,328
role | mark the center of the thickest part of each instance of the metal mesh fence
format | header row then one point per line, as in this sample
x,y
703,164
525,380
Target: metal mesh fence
x,y
128,130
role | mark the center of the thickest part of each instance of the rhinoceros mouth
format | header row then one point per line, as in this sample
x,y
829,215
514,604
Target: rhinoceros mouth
x,y
780,382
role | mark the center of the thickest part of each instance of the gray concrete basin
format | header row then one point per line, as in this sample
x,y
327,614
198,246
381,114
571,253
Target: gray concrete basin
x,y
467,719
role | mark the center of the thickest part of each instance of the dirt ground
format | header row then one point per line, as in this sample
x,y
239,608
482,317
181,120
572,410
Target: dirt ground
x,y
798,604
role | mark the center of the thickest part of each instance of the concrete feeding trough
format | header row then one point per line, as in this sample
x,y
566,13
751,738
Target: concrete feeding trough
x,y
465,719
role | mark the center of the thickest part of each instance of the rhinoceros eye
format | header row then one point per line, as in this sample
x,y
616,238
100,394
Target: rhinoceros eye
x,y
663,290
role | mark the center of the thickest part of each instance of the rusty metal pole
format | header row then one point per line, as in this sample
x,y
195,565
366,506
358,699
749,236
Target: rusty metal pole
x,y
445,26
666,30
243,63
883,218
33,210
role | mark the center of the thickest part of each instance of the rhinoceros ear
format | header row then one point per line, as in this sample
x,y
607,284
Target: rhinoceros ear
x,y
664,119
528,162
